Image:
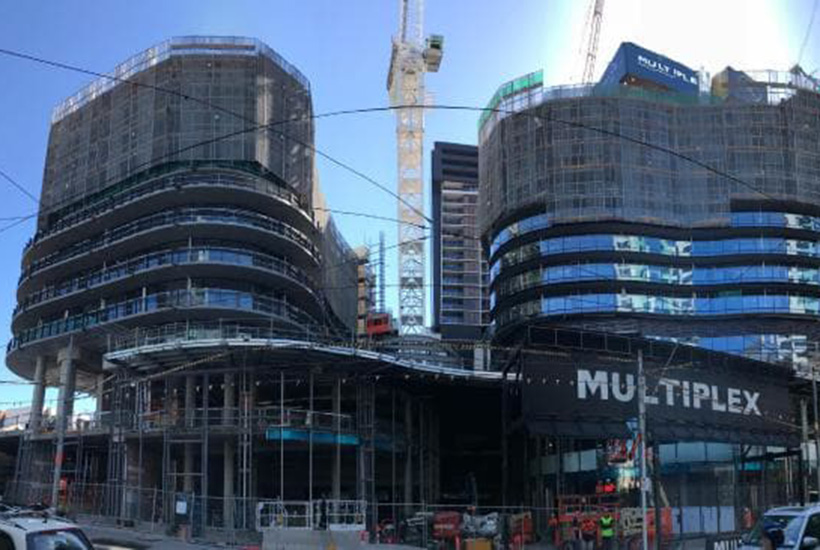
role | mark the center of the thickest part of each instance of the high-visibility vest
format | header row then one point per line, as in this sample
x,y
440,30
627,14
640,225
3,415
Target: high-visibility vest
x,y
607,527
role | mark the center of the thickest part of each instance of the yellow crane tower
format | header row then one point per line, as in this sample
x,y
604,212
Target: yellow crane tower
x,y
411,57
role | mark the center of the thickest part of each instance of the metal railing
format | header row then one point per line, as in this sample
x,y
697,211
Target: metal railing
x,y
168,300
344,515
258,418
184,45
173,217
149,182
164,258
277,514
334,515
79,422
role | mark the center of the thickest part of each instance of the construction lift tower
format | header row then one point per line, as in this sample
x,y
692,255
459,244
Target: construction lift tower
x,y
410,58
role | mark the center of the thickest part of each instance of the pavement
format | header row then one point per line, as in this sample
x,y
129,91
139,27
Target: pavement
x,y
108,536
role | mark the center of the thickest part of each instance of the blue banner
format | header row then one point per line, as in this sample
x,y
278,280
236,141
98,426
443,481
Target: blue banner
x,y
644,65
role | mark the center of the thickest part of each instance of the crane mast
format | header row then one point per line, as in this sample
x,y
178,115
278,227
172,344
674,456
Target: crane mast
x,y
411,57
594,36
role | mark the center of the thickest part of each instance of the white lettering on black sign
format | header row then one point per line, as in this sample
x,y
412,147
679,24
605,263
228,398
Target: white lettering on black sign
x,y
605,385
658,66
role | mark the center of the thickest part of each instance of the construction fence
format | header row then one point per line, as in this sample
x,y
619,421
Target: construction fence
x,y
415,524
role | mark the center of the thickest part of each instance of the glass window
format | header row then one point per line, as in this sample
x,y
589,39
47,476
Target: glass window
x,y
65,539
813,527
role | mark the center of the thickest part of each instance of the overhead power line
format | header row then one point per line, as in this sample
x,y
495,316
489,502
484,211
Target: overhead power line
x,y
134,82
19,187
5,228
356,172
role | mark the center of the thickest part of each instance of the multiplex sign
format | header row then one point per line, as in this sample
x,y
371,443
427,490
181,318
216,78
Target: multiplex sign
x,y
656,64
603,385
594,396
632,60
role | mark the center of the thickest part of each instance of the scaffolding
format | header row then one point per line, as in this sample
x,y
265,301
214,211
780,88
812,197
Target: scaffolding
x,y
200,450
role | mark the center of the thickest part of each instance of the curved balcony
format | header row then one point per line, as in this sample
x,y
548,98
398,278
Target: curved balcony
x,y
147,192
299,242
664,306
272,309
101,278
690,277
685,250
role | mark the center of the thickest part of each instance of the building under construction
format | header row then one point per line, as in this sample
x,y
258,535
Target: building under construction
x,y
195,285
185,273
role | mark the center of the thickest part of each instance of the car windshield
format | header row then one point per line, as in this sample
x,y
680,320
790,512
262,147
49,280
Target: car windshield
x,y
62,539
790,525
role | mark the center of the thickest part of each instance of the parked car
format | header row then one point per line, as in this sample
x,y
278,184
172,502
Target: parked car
x,y
794,527
36,529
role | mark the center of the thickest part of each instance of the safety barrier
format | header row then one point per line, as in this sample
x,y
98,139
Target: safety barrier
x,y
278,514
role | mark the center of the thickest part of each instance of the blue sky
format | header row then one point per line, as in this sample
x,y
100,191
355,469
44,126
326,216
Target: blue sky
x,y
343,47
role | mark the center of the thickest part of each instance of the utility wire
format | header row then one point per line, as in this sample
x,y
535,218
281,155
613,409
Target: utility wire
x,y
370,216
136,83
16,223
466,108
209,104
19,187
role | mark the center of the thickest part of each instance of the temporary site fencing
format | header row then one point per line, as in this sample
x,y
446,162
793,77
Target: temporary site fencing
x,y
418,524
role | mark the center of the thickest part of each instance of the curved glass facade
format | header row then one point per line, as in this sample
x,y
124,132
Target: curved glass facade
x,y
635,274
652,245
661,274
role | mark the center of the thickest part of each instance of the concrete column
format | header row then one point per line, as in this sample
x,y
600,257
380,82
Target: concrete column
x,y
190,400
229,393
190,412
337,456
247,471
408,452
229,450
171,404
100,393
65,407
38,394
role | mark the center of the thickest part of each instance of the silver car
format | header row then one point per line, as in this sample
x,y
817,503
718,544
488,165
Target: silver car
x,y
796,527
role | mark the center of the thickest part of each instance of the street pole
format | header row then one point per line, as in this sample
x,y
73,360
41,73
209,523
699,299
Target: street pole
x,y
642,436
816,427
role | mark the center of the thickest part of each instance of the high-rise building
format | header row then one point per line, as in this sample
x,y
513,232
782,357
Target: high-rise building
x,y
460,304
647,227
592,222
167,213
185,271
145,223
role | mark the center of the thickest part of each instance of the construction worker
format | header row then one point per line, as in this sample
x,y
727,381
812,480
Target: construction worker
x,y
607,523
589,533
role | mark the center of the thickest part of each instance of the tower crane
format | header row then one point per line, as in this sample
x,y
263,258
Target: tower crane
x,y
411,57
592,44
